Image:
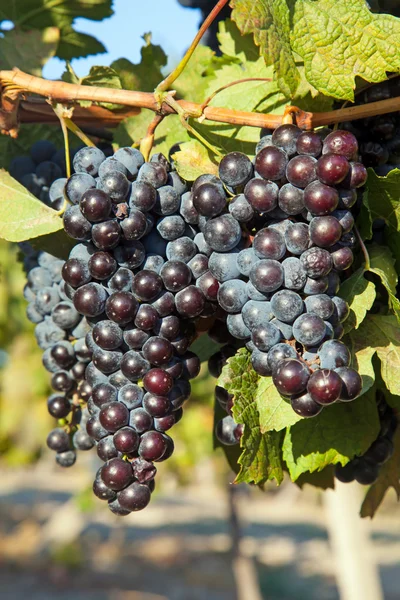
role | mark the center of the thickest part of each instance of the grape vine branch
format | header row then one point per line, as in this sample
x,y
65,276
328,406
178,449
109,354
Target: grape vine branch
x,y
16,85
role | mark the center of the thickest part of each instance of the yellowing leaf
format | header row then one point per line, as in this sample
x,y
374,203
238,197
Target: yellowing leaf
x,y
22,216
193,159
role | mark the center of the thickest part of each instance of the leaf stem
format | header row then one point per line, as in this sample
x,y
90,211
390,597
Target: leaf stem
x,y
168,81
363,248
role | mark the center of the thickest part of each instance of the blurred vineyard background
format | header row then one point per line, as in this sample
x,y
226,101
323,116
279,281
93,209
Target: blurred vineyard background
x,y
58,540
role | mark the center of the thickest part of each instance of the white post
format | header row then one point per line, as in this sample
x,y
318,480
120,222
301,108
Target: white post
x,y
356,570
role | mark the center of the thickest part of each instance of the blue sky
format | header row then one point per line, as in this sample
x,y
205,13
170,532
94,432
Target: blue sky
x,y
172,26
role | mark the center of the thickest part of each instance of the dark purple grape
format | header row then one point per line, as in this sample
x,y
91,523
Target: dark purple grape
x,y
175,275
262,195
324,386
95,205
317,262
103,393
108,335
76,272
134,226
285,137
300,170
58,406
152,445
325,231
222,233
309,143
140,420
341,142
121,307
208,285
62,381
135,497
342,259
320,199
225,431
271,163
106,449
143,196
366,472
156,406
102,265
269,243
116,474
157,350
332,168
158,381
235,169
189,302
58,440
291,377
305,406
209,199
126,440
106,235
356,177
352,383
113,416
147,285
267,275
291,199
134,366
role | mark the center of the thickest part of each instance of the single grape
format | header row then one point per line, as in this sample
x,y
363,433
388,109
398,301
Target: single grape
x,y
256,313
116,474
332,168
325,386
287,305
77,185
134,366
209,199
76,226
294,274
325,231
189,302
223,266
291,199
297,238
320,305
271,163
134,497
232,295
309,142
267,275
237,328
352,383
291,377
222,233
305,406
198,265
225,431
341,142
316,262
235,169
121,307
90,299
301,170
269,243
309,329
285,137
106,235
158,381
320,199
183,249
261,195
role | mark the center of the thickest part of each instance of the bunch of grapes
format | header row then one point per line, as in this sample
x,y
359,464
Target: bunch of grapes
x,y
60,330
279,250
365,469
133,277
253,256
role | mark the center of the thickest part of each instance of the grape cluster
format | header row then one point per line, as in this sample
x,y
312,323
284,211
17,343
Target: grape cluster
x,y
366,468
133,276
277,253
60,330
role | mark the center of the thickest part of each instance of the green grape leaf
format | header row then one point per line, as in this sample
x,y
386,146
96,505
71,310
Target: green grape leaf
x,y
102,77
31,14
360,295
336,435
193,83
389,476
133,129
193,159
382,264
204,347
28,50
240,48
381,200
260,458
270,22
324,479
361,359
275,412
74,44
145,75
58,244
69,75
22,216
380,334
339,40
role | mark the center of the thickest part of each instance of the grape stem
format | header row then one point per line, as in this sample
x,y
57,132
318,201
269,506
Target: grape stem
x,y
147,142
60,112
15,83
363,248
168,81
